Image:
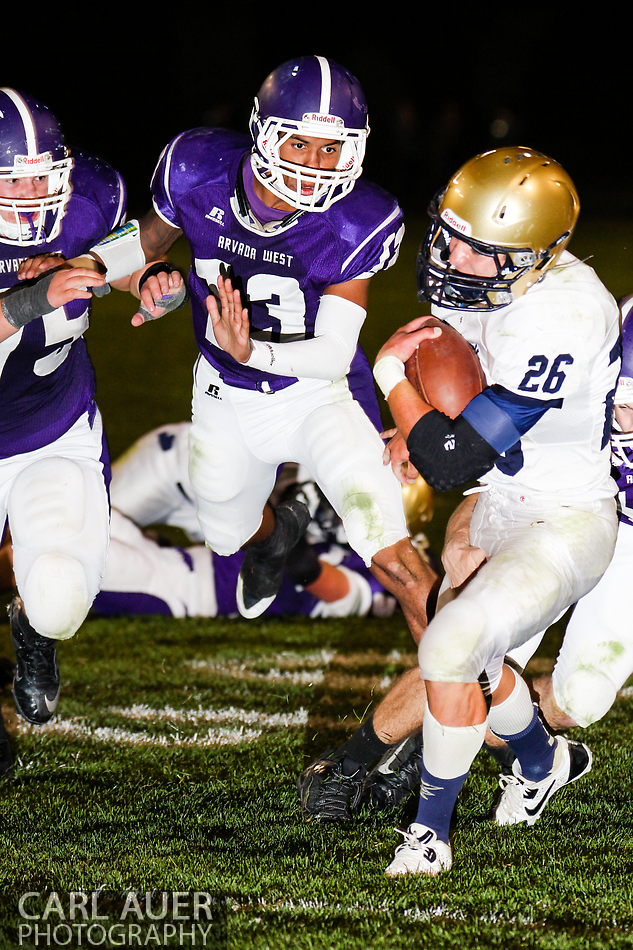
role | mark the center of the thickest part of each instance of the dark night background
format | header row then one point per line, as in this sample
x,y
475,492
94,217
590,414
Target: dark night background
x,y
441,85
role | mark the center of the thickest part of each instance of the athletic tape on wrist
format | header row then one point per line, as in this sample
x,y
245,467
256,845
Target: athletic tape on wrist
x,y
24,303
388,372
166,304
100,290
121,251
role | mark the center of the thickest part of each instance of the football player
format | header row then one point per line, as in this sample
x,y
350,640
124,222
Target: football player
x,y
150,485
54,466
284,239
494,266
596,657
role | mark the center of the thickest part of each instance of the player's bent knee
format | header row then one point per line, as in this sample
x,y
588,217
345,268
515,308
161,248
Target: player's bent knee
x,y
452,649
216,474
364,512
586,695
47,503
55,595
223,528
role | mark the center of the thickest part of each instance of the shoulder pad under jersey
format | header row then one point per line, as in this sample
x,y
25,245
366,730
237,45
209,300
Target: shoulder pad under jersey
x,y
96,181
369,228
198,157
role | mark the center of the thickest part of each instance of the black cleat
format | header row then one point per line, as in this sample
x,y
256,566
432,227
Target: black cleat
x,y
502,754
325,791
263,566
7,671
36,681
6,755
396,776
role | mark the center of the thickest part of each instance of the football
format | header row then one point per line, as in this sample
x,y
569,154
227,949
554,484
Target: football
x,y
446,371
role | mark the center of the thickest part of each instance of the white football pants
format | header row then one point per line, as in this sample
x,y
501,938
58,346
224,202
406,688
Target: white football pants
x,y
541,559
150,481
57,505
596,657
185,581
239,438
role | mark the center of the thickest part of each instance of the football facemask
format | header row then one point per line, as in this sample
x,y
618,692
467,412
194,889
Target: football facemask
x,y
622,442
621,446
316,98
31,147
513,205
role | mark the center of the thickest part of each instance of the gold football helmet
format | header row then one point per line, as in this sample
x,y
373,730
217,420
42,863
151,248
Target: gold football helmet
x,y
417,499
514,205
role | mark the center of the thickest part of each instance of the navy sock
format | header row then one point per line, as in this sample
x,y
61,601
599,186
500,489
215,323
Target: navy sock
x,y
437,801
534,748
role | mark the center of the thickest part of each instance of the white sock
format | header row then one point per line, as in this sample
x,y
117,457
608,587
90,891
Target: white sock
x,y
449,751
515,713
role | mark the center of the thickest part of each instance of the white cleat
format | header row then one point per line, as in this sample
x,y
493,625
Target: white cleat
x,y
420,853
254,609
523,800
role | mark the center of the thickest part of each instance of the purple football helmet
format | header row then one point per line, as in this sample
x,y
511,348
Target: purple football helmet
x,y
311,96
31,146
622,442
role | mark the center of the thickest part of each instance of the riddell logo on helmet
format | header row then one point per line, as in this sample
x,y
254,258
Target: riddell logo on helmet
x,y
45,160
454,221
322,118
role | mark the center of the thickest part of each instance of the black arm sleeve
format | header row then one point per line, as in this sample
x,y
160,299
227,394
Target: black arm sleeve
x,y
449,453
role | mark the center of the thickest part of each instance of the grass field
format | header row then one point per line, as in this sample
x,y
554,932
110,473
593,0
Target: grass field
x,y
172,761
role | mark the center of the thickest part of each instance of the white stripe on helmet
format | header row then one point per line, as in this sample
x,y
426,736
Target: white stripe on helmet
x,y
27,120
326,85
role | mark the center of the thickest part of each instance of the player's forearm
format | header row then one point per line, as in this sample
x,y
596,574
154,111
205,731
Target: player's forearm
x,y
322,358
407,407
405,402
6,330
327,355
28,301
156,235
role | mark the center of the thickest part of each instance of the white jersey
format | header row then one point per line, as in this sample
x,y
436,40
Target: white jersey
x,y
559,341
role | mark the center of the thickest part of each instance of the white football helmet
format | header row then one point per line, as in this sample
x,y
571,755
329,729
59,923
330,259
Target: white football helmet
x,y
31,146
315,97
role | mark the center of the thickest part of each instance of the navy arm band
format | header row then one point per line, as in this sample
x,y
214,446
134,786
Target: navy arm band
x,y
501,417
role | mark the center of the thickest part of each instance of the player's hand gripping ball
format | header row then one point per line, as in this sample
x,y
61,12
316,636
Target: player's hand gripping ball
x,y
445,370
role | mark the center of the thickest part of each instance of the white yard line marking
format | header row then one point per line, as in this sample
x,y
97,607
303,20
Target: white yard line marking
x,y
75,729
248,717
248,726
278,661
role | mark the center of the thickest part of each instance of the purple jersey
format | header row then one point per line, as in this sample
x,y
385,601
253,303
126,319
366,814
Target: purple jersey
x,y
281,271
625,482
46,378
